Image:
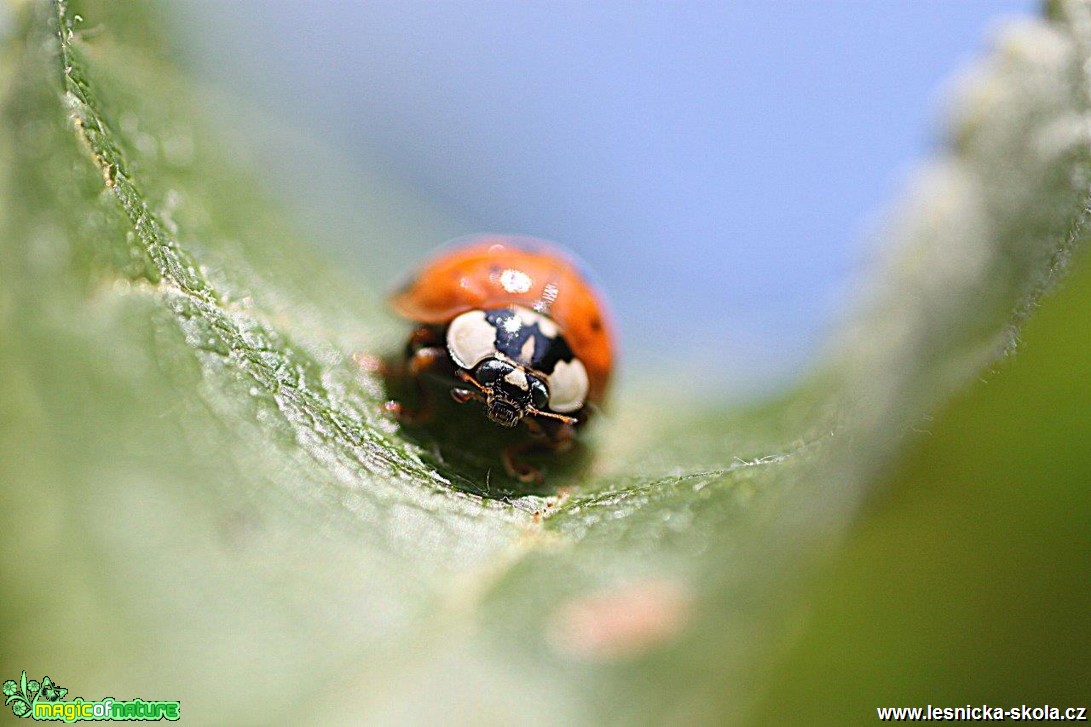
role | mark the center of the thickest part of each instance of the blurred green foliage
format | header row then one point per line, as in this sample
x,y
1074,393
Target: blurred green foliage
x,y
968,580
200,488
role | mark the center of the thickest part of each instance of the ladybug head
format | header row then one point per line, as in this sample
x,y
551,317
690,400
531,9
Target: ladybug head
x,y
510,392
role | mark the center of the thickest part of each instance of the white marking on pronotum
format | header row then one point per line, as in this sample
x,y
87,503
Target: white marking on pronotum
x,y
471,339
512,325
529,318
518,378
526,353
547,327
568,386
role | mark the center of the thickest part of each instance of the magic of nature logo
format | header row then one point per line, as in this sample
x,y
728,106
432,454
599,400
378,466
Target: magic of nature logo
x,y
45,700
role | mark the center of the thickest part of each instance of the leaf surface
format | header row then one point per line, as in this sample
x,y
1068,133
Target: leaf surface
x,y
194,456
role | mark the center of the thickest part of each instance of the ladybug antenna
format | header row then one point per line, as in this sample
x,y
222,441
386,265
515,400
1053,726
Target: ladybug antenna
x,y
464,395
551,415
471,380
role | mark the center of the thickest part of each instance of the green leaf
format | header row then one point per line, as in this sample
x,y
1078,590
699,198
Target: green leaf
x,y
190,445
967,580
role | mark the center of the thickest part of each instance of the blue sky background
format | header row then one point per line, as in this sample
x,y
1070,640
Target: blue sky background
x,y
719,165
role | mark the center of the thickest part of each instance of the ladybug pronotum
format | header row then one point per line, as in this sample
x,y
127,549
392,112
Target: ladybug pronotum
x,y
513,324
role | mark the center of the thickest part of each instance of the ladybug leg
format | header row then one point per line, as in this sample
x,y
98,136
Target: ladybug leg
x,y
517,468
535,427
549,439
554,435
423,337
423,351
424,360
421,362
463,395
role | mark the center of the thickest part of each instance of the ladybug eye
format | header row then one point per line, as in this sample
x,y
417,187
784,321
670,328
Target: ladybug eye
x,y
538,392
568,386
471,339
492,370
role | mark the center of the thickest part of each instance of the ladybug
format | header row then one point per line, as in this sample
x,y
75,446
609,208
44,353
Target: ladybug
x,y
511,323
